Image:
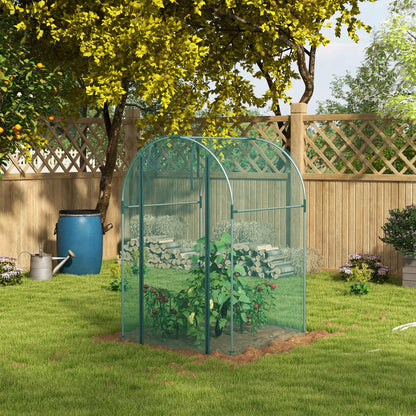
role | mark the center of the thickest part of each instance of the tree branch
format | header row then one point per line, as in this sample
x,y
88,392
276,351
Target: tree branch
x,y
239,19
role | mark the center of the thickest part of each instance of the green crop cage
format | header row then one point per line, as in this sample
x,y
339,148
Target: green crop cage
x,y
213,244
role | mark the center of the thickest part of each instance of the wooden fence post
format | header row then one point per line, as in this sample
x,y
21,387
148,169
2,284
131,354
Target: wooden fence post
x,y
297,134
131,133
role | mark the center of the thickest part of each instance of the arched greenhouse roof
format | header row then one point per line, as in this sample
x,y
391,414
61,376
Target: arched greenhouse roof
x,y
230,211
235,159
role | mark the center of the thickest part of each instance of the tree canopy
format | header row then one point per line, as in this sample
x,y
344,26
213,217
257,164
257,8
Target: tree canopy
x,y
187,56
349,94
391,63
191,54
385,82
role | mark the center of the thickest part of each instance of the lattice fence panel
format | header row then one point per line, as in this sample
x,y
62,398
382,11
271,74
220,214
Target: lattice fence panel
x,y
273,128
73,146
80,145
237,157
253,157
360,146
351,144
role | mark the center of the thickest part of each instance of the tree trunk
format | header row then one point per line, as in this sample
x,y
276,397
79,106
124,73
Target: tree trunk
x,y
113,130
306,71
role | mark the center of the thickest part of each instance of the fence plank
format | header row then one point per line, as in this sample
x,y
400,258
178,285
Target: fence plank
x,y
343,217
345,211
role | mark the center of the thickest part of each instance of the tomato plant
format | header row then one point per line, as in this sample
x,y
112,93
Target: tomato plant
x,y
184,313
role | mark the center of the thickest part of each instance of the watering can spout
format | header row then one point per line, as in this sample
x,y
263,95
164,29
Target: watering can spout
x,y
70,254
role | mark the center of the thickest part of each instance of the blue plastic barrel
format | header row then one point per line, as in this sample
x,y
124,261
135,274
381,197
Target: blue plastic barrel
x,y
81,231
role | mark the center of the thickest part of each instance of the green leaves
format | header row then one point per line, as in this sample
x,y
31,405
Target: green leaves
x,y
391,60
186,56
400,229
226,238
26,93
222,297
238,268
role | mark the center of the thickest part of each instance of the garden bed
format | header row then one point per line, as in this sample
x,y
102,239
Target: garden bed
x,y
250,354
242,340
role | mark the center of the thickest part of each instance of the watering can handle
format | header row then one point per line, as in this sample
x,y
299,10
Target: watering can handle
x,y
18,257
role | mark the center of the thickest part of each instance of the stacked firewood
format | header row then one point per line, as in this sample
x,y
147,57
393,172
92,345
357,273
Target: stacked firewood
x,y
261,260
264,260
162,252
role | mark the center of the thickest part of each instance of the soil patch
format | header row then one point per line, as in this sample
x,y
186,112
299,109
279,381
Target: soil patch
x,y
249,355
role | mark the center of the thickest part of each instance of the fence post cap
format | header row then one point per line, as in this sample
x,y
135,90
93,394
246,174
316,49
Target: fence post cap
x,y
298,108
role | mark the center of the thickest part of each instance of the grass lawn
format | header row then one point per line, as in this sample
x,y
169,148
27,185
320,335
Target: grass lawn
x,y
49,365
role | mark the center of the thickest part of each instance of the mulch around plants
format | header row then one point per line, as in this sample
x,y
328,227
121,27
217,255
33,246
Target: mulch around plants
x,y
248,356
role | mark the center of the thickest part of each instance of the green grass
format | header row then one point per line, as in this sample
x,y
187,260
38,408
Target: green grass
x,y
49,365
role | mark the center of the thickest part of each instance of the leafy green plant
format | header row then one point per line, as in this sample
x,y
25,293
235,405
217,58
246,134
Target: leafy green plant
x,y
131,268
250,305
10,274
359,289
115,273
255,312
379,272
184,313
359,277
400,229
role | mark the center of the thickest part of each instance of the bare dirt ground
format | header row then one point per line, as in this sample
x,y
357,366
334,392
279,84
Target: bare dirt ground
x,y
268,340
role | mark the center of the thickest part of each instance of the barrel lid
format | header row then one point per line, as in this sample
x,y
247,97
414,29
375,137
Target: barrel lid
x,y
79,213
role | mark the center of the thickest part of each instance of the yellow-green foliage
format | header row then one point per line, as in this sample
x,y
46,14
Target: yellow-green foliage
x,y
359,275
184,55
115,271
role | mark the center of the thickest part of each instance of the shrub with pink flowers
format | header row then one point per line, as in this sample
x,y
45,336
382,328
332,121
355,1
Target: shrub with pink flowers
x,y
400,229
379,272
10,274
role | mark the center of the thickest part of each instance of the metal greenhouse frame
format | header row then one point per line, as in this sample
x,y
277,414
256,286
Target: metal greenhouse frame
x,y
213,181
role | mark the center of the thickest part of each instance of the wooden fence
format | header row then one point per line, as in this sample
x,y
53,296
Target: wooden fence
x,y
65,175
356,167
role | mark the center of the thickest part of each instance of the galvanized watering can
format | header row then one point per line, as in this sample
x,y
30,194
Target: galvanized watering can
x,y
41,264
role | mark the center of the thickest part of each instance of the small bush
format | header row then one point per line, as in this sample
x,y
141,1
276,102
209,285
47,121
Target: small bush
x,y
314,259
379,272
244,232
10,274
115,274
170,225
134,225
400,229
